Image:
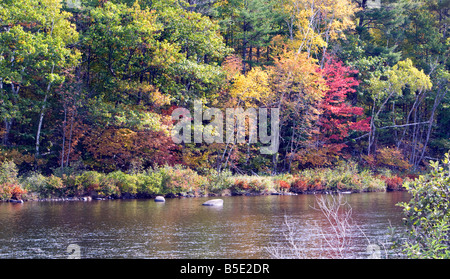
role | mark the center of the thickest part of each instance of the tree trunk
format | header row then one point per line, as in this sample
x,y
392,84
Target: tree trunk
x,y
440,96
63,137
41,116
8,124
38,134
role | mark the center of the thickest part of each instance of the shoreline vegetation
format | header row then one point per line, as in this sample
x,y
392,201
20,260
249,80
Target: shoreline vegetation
x,y
178,181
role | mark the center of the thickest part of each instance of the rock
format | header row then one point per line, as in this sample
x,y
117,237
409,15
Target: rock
x,y
346,192
213,202
160,199
86,198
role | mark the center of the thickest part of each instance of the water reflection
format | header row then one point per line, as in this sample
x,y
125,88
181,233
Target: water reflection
x,y
178,228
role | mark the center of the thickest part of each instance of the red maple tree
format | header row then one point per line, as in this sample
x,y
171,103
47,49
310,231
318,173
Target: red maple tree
x,y
338,116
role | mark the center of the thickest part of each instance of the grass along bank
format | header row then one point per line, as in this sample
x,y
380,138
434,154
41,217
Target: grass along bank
x,y
179,181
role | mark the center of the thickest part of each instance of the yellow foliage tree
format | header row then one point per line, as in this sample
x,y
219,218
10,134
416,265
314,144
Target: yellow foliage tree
x,y
317,22
252,88
390,84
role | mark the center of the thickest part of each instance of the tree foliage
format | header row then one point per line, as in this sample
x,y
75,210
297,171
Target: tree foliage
x,y
92,83
427,217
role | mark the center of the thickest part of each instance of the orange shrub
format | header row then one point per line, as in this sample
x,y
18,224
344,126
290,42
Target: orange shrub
x,y
391,158
283,184
299,185
394,183
241,184
11,191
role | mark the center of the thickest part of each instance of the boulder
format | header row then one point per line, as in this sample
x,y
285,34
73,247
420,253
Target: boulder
x,y
160,199
214,202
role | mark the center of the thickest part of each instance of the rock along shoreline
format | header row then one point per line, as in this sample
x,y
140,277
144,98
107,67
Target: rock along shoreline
x,y
161,198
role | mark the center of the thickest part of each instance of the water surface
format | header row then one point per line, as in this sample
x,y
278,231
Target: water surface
x,y
181,228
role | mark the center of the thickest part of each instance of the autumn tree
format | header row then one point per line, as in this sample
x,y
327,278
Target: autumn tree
x,y
338,118
298,88
314,24
392,84
36,47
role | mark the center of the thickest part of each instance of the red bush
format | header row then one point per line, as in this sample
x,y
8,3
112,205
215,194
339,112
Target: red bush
x,y
241,184
17,192
394,183
299,185
11,191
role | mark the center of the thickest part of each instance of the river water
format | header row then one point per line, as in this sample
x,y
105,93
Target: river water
x,y
182,228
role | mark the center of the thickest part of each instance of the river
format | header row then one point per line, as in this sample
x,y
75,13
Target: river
x,y
182,228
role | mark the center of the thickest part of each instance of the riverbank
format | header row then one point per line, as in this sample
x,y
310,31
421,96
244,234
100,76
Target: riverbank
x,y
176,182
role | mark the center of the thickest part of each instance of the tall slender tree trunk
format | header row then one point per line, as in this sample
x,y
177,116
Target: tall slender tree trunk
x,y
8,124
41,116
38,134
63,137
440,96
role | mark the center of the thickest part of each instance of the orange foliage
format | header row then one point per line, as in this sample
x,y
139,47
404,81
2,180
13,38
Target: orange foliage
x,y
369,160
283,185
74,132
241,184
299,185
393,158
321,157
16,156
116,147
11,191
394,183
232,65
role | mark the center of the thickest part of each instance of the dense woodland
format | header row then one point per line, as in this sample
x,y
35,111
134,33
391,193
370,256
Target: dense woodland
x,y
91,84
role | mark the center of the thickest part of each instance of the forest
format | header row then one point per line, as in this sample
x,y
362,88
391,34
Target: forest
x,y
90,85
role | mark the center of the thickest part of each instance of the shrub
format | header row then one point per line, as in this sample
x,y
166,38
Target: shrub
x,y
149,184
55,186
300,185
8,172
178,179
90,182
427,213
219,181
239,187
283,185
11,191
44,187
316,185
252,184
35,182
256,185
394,183
5,191
17,192
73,185
391,158
126,184
370,182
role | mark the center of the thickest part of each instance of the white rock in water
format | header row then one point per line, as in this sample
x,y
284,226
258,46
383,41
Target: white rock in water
x,y
16,201
214,202
160,199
